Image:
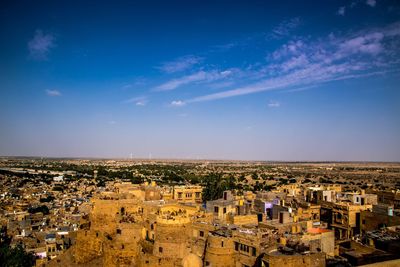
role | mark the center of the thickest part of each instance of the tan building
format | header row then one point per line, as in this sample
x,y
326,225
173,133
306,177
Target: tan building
x,y
188,193
346,219
381,216
277,258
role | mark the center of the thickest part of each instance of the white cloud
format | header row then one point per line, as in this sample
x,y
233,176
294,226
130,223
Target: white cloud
x,y
274,104
301,64
177,103
289,49
53,93
180,64
295,62
285,28
201,76
341,11
371,3
141,103
138,101
175,83
369,44
40,45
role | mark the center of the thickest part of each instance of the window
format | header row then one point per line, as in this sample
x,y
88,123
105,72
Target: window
x,y
242,247
119,231
160,249
207,263
224,210
201,233
197,194
180,195
253,252
222,243
216,209
363,221
236,246
151,226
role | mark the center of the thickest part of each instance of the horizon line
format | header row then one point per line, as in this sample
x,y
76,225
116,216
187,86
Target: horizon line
x,y
196,159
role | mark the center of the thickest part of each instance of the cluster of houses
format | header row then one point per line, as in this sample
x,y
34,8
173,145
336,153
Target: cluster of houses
x,y
294,225
75,223
43,216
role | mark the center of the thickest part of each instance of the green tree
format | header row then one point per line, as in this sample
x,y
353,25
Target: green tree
x,y
215,184
14,256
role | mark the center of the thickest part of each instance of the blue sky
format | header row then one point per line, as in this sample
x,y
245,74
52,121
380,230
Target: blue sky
x,y
251,80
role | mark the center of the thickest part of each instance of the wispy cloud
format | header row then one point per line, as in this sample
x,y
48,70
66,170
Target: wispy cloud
x,y
141,103
369,44
274,104
40,45
341,11
180,64
353,4
200,76
177,103
138,101
53,93
137,82
224,47
371,3
302,63
285,27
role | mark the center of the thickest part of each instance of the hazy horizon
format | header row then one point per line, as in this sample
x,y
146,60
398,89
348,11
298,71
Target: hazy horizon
x,y
213,80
